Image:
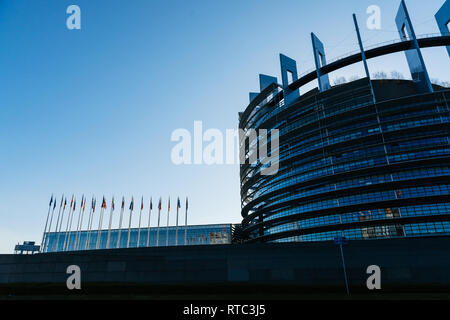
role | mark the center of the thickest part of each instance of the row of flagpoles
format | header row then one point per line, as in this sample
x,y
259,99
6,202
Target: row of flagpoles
x,y
103,207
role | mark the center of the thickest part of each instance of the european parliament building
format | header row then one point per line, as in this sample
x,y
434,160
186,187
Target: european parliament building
x,y
367,159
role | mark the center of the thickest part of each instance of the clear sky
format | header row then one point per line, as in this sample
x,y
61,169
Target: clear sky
x,y
92,111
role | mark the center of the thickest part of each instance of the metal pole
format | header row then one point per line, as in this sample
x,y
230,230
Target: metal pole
x,y
129,224
100,224
45,245
345,271
67,228
157,230
60,225
69,224
88,233
66,246
91,220
167,230
110,223
176,228
140,216
120,222
46,223
57,221
49,227
185,223
149,216
80,225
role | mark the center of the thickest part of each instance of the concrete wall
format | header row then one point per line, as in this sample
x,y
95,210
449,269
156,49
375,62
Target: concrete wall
x,y
414,261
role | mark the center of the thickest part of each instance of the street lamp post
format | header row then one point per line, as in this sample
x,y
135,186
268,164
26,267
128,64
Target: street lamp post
x,y
341,241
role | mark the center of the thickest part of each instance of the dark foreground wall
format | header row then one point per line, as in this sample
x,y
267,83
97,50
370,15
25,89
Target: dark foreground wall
x,y
403,262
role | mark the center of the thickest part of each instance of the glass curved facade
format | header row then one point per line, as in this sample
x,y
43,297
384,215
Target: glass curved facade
x,y
351,167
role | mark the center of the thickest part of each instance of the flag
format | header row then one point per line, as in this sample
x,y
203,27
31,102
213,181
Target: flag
x,y
74,204
151,204
54,204
65,203
51,201
123,202
112,204
71,203
132,204
84,204
142,203
178,203
93,205
62,201
168,206
104,203
186,203
159,204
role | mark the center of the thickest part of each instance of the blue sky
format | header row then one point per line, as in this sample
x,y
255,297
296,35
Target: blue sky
x,y
92,111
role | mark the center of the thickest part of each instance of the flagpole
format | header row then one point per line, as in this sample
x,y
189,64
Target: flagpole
x,y
110,222
149,216
159,216
45,248
88,230
57,221
91,219
176,228
167,230
129,223
120,222
46,223
80,226
100,223
66,246
67,226
185,223
100,220
140,215
60,224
